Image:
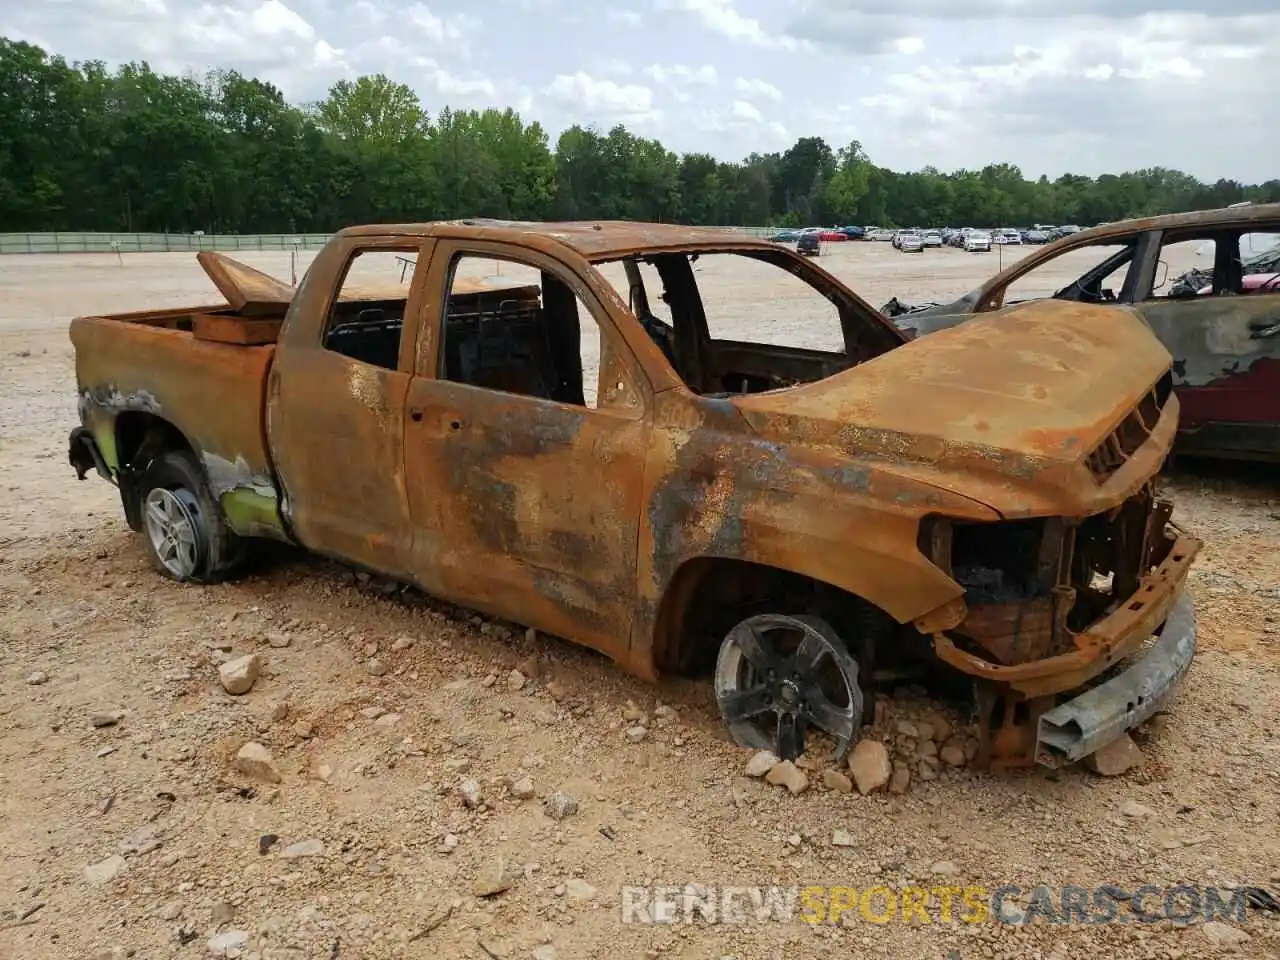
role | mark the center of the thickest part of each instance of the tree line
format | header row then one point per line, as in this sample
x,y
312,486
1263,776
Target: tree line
x,y
86,148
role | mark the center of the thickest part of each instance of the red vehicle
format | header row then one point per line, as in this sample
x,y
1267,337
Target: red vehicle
x,y
831,236
1220,320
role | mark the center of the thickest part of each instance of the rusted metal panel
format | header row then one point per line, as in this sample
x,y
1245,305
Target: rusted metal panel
x,y
212,393
238,330
248,290
337,425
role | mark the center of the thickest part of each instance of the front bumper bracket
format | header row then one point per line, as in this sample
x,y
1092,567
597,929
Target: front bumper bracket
x,y
1075,729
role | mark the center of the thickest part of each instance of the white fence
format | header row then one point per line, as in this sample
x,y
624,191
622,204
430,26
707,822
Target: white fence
x,y
182,242
154,242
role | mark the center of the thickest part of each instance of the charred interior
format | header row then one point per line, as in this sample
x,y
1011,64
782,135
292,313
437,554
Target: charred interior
x,y
1032,585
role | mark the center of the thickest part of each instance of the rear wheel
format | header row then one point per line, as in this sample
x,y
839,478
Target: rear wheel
x,y
779,678
186,536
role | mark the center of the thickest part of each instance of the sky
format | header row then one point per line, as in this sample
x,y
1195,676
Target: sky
x,y
1054,86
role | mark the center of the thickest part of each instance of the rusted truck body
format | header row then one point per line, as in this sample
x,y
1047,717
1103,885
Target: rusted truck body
x,y
984,498
1219,320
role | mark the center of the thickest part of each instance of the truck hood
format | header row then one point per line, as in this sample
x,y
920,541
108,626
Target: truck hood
x,y
1002,409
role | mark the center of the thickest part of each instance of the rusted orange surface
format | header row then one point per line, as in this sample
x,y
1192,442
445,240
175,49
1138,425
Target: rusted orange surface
x,y
636,526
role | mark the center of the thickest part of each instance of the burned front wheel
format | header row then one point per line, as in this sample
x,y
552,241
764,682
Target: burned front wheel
x,y
780,679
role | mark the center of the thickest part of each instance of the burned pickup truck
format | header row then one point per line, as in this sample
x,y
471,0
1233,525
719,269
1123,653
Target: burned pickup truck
x,y
509,433
1207,283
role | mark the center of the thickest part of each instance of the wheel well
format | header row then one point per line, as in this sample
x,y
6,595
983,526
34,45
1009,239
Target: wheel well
x,y
146,434
140,438
708,595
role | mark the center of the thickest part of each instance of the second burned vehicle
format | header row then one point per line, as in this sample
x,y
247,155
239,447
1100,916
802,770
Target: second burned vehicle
x,y
509,433
1208,285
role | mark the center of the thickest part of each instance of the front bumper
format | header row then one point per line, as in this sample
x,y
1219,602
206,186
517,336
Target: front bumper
x,y
1075,729
1104,644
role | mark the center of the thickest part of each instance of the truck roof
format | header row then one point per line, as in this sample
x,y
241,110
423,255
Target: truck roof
x,y
595,240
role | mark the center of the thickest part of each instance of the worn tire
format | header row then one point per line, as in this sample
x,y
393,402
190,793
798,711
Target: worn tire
x,y
174,485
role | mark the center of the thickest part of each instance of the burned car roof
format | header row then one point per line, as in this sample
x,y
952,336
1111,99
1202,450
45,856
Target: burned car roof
x,y
595,240
1217,217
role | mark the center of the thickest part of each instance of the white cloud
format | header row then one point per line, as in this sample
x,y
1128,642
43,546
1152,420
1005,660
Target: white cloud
x,y
612,100
757,88
722,17
908,45
741,110
681,75
628,18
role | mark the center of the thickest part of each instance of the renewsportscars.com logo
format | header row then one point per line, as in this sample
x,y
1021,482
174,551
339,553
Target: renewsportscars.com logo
x,y
1007,904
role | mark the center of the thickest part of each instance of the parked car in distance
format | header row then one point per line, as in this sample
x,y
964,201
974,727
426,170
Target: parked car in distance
x,y
784,236
932,238
832,236
809,243
853,233
880,234
909,242
1035,236
793,519
1220,320
976,241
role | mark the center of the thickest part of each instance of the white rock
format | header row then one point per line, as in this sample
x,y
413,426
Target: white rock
x,y
278,640
1132,808
233,943
105,870
303,848
402,643
944,868
579,889
239,675
515,681
37,677
842,838
255,761
761,763
522,789
499,876
636,733
1223,934
544,952
375,667
470,792
869,763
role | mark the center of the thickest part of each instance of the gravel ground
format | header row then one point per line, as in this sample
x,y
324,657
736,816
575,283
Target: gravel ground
x,y
409,783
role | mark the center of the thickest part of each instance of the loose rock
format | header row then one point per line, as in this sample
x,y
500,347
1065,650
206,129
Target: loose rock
x,y
471,794
375,667
304,848
560,805
636,734
579,889
499,876
787,774
38,677
952,755
239,675
1223,934
401,643
1136,810
516,681
105,870
870,766
255,761
278,640
522,789
761,763
106,719
233,943
833,779
900,780
1115,758
842,838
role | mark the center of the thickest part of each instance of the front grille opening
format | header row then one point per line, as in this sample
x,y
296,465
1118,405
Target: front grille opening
x,y
996,562
1126,439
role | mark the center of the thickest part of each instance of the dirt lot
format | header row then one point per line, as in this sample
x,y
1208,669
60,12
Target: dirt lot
x,y
370,764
